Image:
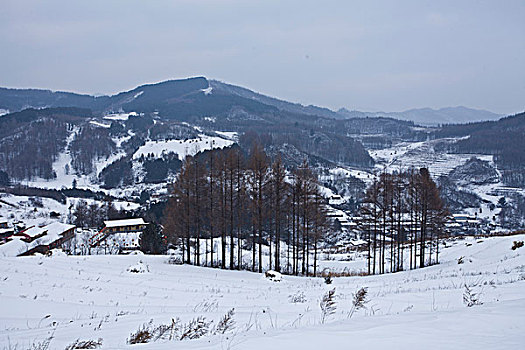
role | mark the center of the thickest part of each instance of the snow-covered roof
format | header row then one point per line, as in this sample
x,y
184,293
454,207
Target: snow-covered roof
x,y
3,231
3,221
54,232
58,228
14,247
124,222
34,231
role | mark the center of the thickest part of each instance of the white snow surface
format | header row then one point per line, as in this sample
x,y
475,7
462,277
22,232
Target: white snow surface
x,y
122,115
124,222
99,124
405,155
207,91
92,297
182,148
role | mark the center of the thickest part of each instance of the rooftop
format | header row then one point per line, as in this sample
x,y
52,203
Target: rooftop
x,y
124,222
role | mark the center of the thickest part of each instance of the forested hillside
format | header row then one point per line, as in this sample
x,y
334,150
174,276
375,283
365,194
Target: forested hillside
x,y
505,139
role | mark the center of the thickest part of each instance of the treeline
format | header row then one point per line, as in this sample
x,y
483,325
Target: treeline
x,y
402,217
252,207
92,214
30,151
310,140
90,144
505,139
58,195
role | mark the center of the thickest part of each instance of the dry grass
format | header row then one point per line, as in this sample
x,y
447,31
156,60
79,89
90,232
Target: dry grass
x,y
85,344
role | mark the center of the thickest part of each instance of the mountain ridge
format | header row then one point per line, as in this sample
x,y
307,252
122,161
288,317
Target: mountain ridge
x,y
174,95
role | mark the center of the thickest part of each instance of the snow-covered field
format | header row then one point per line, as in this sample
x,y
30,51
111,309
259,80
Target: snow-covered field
x,y
422,154
96,297
182,148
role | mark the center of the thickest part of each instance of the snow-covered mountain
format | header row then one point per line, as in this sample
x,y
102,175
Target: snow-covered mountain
x,y
200,96
135,141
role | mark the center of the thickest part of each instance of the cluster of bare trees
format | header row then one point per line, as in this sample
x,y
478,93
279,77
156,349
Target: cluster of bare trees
x,y
234,211
402,214
92,214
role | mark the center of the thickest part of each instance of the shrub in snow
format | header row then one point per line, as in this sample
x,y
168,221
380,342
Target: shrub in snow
x,y
140,267
327,305
142,335
298,297
226,323
358,301
470,298
517,244
460,260
43,345
195,329
85,344
149,332
273,276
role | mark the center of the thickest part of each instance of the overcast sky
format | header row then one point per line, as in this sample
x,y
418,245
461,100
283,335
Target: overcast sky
x,y
365,55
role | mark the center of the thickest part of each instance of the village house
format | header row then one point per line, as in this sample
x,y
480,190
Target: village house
x,y
121,235
37,239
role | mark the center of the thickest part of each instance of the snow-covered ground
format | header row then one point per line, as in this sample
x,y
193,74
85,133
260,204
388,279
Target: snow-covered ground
x,y
23,209
97,297
405,155
121,115
65,174
182,148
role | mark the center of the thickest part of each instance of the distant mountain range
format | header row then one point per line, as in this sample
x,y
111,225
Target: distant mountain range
x,y
429,116
198,97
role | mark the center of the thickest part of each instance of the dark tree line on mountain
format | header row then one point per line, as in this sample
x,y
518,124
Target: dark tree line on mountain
x,y
30,151
171,131
402,214
320,146
229,210
512,214
90,144
58,195
505,139
11,124
93,215
383,126
118,173
158,169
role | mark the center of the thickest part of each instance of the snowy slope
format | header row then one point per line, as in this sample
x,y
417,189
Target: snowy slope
x,y
92,297
182,148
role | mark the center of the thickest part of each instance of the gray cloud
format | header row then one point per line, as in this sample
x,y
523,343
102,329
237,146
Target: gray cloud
x,y
375,55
